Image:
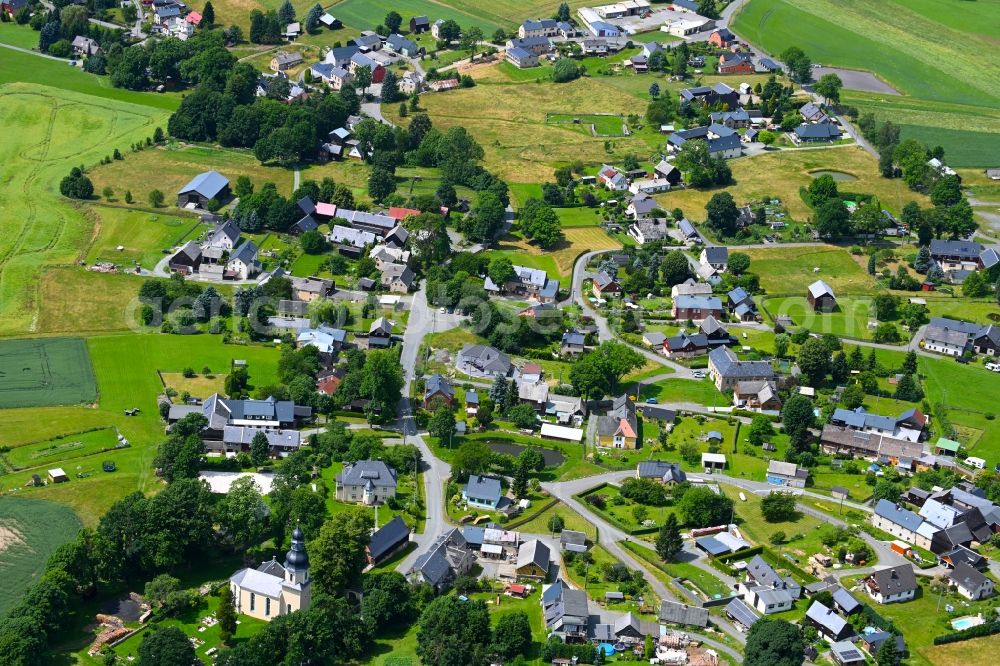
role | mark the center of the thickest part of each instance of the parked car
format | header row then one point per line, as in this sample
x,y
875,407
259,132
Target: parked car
x,y
995,367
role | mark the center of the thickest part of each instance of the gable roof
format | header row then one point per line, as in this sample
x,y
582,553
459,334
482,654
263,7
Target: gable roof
x,y
533,552
820,288
683,614
967,577
739,611
895,580
826,618
716,254
363,472
898,515
438,384
483,487
207,184
387,537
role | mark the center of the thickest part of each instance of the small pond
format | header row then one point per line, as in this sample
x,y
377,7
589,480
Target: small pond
x,y
552,458
839,176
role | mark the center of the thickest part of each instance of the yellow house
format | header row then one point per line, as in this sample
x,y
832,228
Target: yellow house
x,y
274,589
619,428
532,560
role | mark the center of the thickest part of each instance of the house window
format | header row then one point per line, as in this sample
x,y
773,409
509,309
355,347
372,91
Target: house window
x,y
267,607
253,601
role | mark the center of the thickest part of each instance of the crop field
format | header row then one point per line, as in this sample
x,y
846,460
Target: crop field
x,y
111,305
578,241
30,530
50,371
46,131
781,174
930,51
593,124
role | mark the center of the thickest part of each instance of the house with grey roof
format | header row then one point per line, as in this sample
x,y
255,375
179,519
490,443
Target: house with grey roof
x,y
828,623
565,611
573,541
203,188
483,361
521,58
891,585
817,132
896,520
716,256
397,278
727,370
660,470
482,491
438,387
738,611
845,653
697,308
573,343
366,482
243,263
268,414
403,46
780,473
970,583
446,559
359,238
533,559
236,439
387,539
942,339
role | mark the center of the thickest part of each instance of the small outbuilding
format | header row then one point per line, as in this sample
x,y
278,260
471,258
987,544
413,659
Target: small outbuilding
x,y
821,297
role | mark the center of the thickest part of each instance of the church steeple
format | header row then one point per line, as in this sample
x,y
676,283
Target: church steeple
x,y
297,559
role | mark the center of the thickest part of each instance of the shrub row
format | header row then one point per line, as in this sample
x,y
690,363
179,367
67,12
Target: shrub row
x,y
987,629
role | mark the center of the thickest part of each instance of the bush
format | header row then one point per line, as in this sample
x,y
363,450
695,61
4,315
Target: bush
x,y
598,500
644,491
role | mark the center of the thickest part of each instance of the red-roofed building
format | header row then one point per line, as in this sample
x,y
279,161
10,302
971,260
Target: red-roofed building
x,y
401,214
516,590
330,382
194,18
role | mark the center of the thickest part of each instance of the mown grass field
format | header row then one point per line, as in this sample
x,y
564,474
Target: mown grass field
x,y
788,269
143,236
929,51
48,130
590,123
47,371
781,174
30,530
18,35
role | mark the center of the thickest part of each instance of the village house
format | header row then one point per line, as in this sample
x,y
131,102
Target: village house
x,y
648,231
760,395
875,447
667,172
437,387
283,61
715,257
397,278
817,132
482,491
604,285
642,205
538,28
402,46
666,473
612,178
892,585
326,339
726,370
532,560
85,46
831,626
619,427
565,611
722,141
696,308
446,559
718,94
572,343
367,482
683,345
530,283
535,45
780,473
970,583
482,361
735,63
722,38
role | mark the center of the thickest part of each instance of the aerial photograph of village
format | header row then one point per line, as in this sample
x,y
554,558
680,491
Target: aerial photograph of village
x,y
499,333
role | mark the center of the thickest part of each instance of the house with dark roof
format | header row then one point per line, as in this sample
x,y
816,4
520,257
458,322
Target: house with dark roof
x,y
187,259
892,585
659,470
873,642
483,361
722,38
604,285
572,343
521,58
243,263
970,583
573,541
565,611
403,46
419,24
736,63
446,559
366,482
532,560
387,540
437,387
716,257
956,255
780,473
203,188
718,94
727,370
830,626
674,613
482,491
987,341
896,520
683,345
619,427
817,132
722,141
737,611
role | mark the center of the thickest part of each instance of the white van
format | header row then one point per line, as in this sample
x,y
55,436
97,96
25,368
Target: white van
x,y
978,463
995,367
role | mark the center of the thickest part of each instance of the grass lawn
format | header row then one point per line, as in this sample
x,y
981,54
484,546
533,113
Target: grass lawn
x,y
32,529
177,163
307,264
706,583
946,384
783,269
620,509
592,124
578,217
143,236
780,174
571,521
849,320
802,536
18,35
701,391
48,129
